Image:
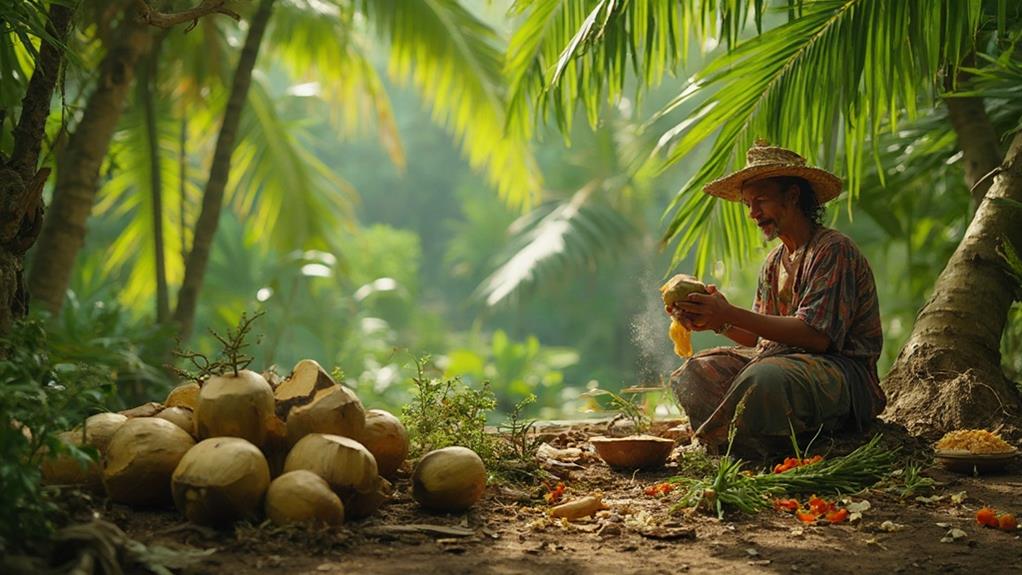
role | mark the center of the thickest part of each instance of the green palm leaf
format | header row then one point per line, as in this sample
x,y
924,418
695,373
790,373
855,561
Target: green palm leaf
x,y
454,60
324,45
566,52
284,193
557,238
770,87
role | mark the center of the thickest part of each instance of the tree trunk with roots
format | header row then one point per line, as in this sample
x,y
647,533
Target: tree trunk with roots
x,y
949,375
21,184
63,233
213,196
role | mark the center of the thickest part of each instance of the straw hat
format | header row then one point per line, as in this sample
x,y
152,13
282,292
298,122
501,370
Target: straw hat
x,y
766,161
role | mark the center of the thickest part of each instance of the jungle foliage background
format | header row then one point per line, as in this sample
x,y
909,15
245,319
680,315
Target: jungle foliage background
x,y
376,211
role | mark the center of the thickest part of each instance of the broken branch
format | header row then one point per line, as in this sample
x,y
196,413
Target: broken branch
x,y
167,20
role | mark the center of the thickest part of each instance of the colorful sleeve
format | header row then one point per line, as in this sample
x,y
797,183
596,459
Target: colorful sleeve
x,y
826,298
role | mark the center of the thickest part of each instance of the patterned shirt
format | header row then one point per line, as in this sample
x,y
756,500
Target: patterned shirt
x,y
829,285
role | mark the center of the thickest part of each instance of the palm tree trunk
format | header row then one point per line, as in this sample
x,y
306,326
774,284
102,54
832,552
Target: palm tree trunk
x,y
948,375
21,184
63,231
213,196
977,140
147,94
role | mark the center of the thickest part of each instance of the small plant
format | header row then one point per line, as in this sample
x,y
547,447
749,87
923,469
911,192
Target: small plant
x,y
517,459
627,408
912,481
446,412
41,394
231,358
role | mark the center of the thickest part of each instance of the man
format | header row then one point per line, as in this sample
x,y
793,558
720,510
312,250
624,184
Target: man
x,y
808,347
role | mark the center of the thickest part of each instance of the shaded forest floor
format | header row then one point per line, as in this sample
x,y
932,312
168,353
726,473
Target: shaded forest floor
x,y
509,531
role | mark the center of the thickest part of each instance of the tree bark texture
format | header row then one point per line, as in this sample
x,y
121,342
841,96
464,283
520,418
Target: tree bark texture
x,y
948,375
63,231
21,183
977,140
213,196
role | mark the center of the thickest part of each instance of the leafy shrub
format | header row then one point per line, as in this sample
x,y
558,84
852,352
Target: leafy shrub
x,y
41,394
446,412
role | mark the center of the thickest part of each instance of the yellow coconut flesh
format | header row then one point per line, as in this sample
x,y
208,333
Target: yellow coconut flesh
x,y
141,459
677,289
221,480
179,416
301,496
386,439
184,395
65,470
449,479
235,406
335,411
346,465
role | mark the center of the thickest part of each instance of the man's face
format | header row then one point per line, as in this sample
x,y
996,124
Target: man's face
x,y
769,205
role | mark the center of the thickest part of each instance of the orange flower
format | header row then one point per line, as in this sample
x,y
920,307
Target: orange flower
x,y
554,495
987,516
837,516
820,506
807,516
789,505
1007,522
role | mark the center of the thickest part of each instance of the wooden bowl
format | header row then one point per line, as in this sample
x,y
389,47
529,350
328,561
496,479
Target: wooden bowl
x,y
634,452
968,462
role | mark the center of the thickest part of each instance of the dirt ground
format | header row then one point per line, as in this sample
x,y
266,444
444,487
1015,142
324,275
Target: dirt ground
x,y
509,531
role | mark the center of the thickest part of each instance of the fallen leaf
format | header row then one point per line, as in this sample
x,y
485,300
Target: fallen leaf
x,y
959,498
858,506
890,526
953,535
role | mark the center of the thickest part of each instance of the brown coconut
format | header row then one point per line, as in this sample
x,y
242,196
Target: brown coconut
x,y
345,464
149,409
275,447
65,470
235,406
301,386
141,459
221,480
301,496
184,395
179,416
386,439
335,410
449,479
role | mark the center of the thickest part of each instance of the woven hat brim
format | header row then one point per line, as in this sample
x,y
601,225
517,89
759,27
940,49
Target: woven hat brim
x,y
826,185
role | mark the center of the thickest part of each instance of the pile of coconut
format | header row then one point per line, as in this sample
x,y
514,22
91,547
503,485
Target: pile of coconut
x,y
236,447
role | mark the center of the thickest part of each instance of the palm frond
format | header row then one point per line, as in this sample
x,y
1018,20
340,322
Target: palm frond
x,y
875,60
324,45
454,60
566,52
557,238
283,192
127,197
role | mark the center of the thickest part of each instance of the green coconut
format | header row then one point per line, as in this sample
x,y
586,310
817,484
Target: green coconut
x,y
679,287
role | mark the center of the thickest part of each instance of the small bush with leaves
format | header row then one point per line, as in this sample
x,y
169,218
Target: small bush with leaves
x,y
446,412
41,394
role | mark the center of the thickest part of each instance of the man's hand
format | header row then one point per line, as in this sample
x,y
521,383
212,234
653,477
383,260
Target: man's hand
x,y
705,311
